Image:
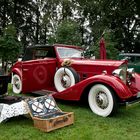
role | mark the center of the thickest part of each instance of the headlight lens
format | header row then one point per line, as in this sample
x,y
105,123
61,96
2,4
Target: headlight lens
x,y
121,73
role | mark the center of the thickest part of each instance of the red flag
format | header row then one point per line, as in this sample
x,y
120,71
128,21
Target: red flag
x,y
102,49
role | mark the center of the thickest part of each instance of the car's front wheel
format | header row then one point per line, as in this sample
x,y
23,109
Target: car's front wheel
x,y
17,84
102,100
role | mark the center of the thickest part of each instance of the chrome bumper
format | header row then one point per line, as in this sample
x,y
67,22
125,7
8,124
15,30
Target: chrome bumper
x,y
132,103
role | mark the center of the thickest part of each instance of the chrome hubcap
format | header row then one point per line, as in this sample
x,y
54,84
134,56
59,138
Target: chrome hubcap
x,y
66,82
102,100
17,83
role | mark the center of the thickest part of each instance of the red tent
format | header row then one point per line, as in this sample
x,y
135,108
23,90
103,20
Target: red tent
x,y
102,49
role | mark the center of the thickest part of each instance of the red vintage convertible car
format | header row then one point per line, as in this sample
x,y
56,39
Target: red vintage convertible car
x,y
63,71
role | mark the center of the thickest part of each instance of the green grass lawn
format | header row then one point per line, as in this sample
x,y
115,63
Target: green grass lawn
x,y
125,125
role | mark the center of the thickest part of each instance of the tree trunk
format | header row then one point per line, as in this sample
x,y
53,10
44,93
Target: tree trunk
x,y
45,34
37,25
4,67
15,12
4,13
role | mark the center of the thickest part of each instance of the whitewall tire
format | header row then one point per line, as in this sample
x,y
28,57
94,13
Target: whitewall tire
x,y
102,100
65,77
17,84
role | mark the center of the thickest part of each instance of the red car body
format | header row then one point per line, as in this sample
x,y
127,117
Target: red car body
x,y
38,74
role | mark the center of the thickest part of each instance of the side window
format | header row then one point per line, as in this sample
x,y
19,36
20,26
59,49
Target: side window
x,y
44,53
28,55
137,59
131,59
124,58
40,54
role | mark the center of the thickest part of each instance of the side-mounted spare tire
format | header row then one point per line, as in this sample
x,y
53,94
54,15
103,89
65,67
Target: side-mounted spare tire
x,y
65,77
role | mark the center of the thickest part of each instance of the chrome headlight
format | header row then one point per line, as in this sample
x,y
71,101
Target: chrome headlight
x,y
121,73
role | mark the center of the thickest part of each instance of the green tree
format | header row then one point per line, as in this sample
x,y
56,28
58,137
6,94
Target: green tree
x,y
50,21
68,32
122,17
111,46
36,21
9,46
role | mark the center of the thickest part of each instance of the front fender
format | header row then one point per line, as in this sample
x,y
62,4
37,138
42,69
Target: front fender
x,y
121,89
75,92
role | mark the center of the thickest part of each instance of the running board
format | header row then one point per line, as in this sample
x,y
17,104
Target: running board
x,y
43,92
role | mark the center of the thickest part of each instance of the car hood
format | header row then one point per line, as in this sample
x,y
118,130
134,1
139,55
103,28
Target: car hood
x,y
98,62
95,66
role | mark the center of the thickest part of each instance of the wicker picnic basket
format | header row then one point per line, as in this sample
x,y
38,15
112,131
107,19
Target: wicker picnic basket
x,y
46,115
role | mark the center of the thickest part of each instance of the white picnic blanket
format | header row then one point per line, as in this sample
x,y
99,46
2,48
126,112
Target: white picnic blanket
x,y
15,109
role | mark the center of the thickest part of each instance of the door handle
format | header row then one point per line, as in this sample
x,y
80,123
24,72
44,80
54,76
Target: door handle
x,y
25,69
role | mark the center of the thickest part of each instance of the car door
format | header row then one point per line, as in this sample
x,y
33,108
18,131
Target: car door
x,y
33,75
38,74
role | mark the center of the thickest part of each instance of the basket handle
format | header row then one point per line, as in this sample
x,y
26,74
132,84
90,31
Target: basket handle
x,y
64,119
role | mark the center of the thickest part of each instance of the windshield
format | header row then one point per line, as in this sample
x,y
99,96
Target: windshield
x,y
69,52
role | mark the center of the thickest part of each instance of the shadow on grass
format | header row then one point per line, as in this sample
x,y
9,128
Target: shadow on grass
x,y
22,119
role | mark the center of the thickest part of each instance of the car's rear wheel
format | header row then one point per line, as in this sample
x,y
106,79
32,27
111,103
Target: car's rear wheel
x,y
17,84
65,77
102,100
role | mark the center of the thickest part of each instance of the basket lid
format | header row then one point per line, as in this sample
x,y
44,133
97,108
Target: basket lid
x,y
43,106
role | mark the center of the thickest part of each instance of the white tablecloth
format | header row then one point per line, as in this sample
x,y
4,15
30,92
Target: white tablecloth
x,y
15,109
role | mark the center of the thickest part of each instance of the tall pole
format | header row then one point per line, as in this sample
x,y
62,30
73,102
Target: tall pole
x,y
102,48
